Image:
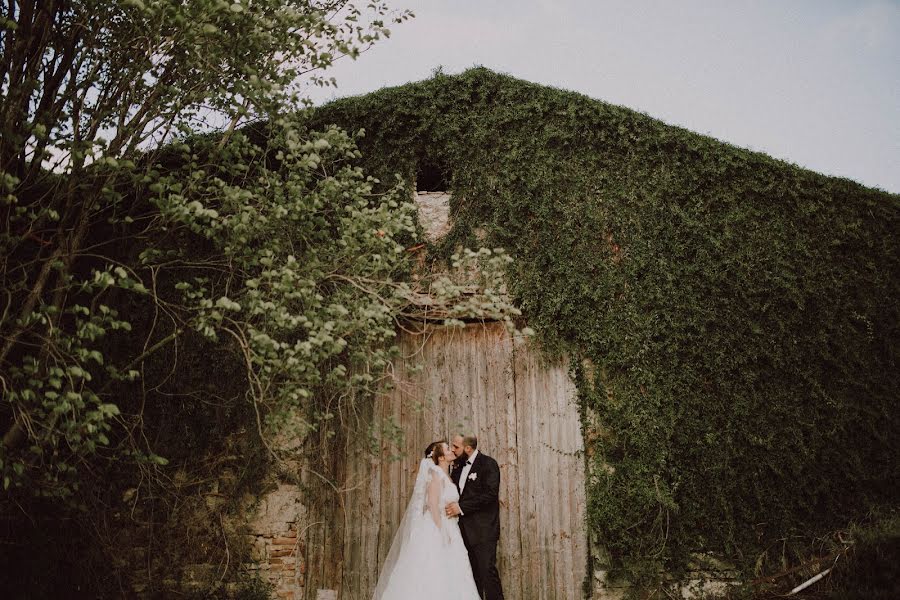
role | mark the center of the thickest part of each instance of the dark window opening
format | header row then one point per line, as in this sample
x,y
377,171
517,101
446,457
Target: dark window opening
x,y
432,177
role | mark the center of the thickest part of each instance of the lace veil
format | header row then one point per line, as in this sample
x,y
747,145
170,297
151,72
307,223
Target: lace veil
x,y
414,516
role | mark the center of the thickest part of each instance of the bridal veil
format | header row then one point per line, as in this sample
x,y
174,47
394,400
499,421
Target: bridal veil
x,y
412,519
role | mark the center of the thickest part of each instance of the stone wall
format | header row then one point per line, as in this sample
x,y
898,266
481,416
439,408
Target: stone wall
x,y
277,548
434,214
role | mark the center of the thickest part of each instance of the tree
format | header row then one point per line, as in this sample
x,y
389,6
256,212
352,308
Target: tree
x,y
90,87
154,159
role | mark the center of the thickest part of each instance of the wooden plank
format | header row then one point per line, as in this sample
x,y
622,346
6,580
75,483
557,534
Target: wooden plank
x,y
526,434
523,411
315,544
495,362
525,476
564,476
388,482
360,521
551,449
334,532
565,491
546,505
351,517
579,499
577,558
371,507
513,530
542,506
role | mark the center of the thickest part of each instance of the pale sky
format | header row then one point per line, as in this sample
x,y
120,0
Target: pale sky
x,y
813,82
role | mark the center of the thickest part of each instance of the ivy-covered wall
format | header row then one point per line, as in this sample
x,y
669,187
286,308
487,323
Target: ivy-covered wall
x,y
738,314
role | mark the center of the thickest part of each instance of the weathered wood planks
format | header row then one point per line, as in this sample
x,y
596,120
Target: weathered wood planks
x,y
524,413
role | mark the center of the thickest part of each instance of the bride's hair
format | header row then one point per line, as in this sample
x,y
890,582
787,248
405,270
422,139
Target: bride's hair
x,y
435,450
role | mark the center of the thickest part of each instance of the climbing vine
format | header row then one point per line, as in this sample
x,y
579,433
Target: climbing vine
x,y
731,319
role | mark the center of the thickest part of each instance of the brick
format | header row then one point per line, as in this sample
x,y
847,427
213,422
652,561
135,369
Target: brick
x,y
276,552
284,541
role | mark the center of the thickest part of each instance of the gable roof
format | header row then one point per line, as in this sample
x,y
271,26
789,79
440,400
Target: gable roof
x,y
732,307
484,110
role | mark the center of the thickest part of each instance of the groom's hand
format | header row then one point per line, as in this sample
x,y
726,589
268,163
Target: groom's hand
x,y
452,510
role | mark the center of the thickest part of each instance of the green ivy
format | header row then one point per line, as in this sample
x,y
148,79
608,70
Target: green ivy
x,y
732,319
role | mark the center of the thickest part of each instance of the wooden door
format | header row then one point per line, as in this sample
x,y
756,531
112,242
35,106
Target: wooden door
x,y
524,414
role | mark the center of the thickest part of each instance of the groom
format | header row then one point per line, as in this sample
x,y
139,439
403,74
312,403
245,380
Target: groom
x,y
477,477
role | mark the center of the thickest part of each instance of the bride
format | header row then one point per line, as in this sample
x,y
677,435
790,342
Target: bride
x,y
427,558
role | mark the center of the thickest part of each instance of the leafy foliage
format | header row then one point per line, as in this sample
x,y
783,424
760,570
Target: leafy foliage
x,y
732,319
86,109
307,271
190,271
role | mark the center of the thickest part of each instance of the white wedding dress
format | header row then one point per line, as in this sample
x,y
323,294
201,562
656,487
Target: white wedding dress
x,y
427,561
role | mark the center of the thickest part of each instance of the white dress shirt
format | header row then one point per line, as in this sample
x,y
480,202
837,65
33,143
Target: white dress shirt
x,y
465,472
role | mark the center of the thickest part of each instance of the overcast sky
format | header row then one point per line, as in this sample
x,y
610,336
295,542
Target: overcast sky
x,y
814,82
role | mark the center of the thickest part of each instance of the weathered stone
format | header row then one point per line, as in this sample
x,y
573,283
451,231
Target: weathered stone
x,y
434,214
215,501
284,541
258,550
276,510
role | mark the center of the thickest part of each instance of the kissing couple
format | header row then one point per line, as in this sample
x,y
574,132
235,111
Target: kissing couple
x,y
446,545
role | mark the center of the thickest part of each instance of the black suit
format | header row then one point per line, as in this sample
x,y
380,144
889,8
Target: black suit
x,y
480,522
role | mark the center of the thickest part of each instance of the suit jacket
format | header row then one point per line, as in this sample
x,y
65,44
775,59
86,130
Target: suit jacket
x,y
479,501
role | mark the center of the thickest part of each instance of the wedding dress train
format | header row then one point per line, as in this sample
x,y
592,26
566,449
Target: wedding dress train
x,y
427,561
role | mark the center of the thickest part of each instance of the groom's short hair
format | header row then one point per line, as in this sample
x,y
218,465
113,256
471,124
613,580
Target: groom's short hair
x,y
469,440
